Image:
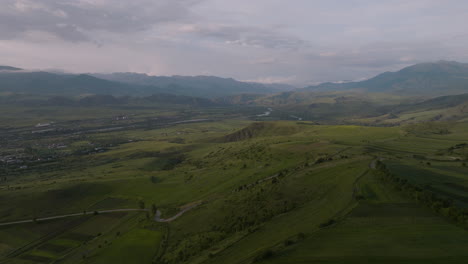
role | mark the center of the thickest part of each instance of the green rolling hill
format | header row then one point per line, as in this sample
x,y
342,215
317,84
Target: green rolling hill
x,y
439,78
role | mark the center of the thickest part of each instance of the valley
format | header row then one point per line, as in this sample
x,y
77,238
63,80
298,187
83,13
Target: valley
x,y
233,132
250,180
289,176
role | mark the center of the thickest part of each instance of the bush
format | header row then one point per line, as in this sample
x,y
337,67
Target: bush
x,y
301,236
327,223
264,255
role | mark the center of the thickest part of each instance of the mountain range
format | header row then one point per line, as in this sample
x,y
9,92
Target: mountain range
x,y
200,86
427,79
15,80
437,78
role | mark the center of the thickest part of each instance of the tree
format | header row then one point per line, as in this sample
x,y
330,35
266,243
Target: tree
x,y
154,208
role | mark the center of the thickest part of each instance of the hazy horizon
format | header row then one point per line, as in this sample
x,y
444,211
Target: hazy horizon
x,y
297,42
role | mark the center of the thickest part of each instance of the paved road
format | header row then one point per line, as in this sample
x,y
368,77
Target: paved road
x,y
158,218
70,215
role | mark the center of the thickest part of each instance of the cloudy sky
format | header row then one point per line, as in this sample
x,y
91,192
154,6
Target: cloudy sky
x,y
293,41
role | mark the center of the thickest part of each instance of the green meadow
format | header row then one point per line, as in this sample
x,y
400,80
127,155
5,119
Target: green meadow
x,y
267,192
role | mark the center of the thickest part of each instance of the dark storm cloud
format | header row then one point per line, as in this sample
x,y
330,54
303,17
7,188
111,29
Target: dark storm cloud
x,y
72,20
299,41
248,36
383,55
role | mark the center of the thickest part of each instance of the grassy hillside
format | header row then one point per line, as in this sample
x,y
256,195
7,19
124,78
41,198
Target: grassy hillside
x,y
200,86
364,108
439,78
269,192
13,80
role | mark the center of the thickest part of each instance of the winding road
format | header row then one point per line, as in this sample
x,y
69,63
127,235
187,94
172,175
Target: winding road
x,y
157,216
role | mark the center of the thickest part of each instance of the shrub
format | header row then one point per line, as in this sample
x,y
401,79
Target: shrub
x,y
327,223
264,255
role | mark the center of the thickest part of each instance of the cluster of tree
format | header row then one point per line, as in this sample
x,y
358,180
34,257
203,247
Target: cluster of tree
x,y
271,252
438,128
190,246
441,205
245,212
321,160
247,209
274,179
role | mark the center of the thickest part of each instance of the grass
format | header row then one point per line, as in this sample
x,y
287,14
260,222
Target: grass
x,y
138,245
447,179
302,191
384,228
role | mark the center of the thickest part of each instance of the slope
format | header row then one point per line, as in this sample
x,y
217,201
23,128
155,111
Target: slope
x,y
439,78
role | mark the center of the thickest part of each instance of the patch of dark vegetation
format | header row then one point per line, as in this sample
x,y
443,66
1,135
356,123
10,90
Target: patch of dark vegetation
x,y
389,210
146,154
368,193
167,163
267,254
36,259
78,236
425,195
247,133
273,179
322,160
177,140
77,192
53,248
108,203
420,176
162,160
155,179
307,123
457,187
258,129
420,157
115,215
458,146
328,223
278,248
244,212
449,195
437,128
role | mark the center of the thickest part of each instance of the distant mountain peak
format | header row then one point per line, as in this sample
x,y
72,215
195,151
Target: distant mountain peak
x,y
430,78
9,68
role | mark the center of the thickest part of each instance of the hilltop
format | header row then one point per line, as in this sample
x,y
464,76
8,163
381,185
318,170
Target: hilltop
x,y
437,78
15,80
202,86
9,68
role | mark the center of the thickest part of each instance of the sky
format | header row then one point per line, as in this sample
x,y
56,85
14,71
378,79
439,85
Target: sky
x,y
299,42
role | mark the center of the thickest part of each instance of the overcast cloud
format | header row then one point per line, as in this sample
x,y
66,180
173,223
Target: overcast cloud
x,y
294,41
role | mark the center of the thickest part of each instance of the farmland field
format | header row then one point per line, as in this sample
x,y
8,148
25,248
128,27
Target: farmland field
x,y
263,192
